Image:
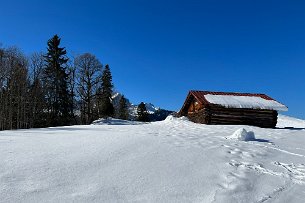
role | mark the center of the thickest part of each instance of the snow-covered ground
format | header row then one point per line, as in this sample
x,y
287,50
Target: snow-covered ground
x,y
168,161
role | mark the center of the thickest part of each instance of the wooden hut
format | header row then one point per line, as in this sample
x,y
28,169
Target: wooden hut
x,y
231,108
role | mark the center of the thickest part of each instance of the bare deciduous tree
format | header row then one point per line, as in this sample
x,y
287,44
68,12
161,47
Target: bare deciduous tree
x,y
14,90
89,72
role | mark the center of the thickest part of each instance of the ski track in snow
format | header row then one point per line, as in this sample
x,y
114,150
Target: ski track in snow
x,y
168,161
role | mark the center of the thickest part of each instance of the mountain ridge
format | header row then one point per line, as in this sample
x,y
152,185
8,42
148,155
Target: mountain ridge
x,y
154,113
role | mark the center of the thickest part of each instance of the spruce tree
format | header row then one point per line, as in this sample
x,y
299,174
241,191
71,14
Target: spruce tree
x,y
142,113
106,108
56,84
123,108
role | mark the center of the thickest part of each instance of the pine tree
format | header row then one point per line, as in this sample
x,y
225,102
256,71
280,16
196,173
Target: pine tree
x,y
56,84
106,108
142,113
123,108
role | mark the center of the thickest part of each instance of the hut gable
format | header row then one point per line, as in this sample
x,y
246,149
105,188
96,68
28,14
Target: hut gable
x,y
231,108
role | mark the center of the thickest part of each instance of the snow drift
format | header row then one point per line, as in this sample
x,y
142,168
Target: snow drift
x,y
173,118
114,121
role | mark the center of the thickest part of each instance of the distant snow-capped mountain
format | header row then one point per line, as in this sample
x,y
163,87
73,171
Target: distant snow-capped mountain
x,y
155,113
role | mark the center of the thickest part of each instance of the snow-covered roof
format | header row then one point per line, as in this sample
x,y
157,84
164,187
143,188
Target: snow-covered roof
x,y
251,102
234,100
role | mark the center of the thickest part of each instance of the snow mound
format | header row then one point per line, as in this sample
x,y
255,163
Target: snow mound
x,y
113,121
289,122
243,135
183,118
172,118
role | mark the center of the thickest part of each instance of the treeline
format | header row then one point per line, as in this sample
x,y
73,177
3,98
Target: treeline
x,y
49,89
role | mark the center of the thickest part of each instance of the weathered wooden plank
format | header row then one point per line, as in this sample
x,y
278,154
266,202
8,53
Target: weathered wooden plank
x,y
243,116
248,111
257,122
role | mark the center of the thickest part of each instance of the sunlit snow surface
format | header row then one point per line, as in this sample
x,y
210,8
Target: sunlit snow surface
x,y
169,161
245,102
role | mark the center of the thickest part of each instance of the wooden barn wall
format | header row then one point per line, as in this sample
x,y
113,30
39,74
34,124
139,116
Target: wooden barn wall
x,y
200,116
214,114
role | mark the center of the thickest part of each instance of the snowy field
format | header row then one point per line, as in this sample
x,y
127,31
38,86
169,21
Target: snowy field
x,y
168,161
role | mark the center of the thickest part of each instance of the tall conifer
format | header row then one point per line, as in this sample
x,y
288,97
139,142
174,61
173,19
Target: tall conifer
x,y
142,113
56,84
106,108
123,108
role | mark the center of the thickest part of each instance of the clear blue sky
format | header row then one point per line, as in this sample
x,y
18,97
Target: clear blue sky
x,y
159,50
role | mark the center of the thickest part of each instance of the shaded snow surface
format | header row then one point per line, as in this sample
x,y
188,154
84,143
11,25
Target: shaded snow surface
x,y
168,161
114,121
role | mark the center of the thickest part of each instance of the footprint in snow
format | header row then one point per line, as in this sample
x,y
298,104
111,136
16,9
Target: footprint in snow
x,y
295,172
